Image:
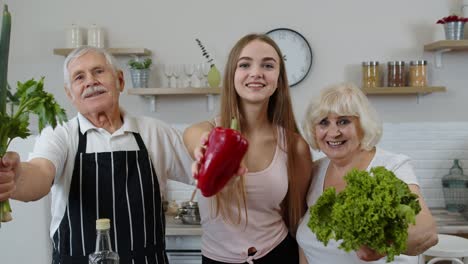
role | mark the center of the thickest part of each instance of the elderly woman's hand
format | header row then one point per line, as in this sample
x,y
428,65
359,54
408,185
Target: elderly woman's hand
x,y
368,254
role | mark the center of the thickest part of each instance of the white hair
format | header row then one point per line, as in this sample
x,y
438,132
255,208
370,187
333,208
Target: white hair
x,y
78,52
343,99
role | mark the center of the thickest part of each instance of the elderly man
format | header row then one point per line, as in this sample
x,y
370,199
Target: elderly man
x,y
100,164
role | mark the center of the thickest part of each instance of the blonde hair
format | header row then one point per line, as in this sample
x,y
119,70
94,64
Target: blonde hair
x,y
280,114
343,99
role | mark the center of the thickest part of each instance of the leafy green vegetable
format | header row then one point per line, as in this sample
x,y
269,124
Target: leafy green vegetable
x,y
30,98
375,209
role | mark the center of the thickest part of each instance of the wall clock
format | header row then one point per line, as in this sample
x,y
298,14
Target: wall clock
x,y
297,53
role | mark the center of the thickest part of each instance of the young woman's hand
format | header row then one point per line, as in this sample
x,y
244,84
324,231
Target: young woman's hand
x,y
199,153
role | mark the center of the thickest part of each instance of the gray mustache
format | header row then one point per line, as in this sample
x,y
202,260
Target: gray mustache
x,y
91,90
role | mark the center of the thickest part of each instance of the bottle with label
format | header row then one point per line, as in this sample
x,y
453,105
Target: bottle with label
x,y
103,253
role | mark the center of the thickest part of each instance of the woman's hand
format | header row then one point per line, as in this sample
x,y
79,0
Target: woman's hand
x,y
368,254
199,153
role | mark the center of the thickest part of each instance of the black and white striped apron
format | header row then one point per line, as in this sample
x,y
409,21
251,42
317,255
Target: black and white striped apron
x,y
123,187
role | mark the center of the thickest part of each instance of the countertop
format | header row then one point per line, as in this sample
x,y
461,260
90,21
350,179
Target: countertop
x,y
449,222
177,228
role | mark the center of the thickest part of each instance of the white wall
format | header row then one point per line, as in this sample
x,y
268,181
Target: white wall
x,y
342,35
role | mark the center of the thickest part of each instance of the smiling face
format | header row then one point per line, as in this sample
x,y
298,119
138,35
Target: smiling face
x,y
95,86
339,137
257,72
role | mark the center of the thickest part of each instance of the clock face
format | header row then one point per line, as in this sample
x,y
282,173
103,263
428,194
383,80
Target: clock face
x,y
297,53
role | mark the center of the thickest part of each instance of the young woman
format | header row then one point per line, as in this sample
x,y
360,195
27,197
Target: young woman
x,y
252,218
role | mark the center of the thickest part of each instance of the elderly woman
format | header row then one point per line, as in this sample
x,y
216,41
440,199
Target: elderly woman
x,y
344,126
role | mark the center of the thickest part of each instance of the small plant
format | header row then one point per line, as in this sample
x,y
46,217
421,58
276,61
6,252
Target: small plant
x,y
140,65
205,53
452,18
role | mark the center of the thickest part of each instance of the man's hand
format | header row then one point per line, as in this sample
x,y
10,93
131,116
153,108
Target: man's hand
x,y
368,254
9,171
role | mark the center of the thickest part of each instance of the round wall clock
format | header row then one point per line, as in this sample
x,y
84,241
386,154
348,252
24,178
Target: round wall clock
x,y
297,53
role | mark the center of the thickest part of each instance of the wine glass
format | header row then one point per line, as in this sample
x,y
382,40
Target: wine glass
x,y
168,71
177,73
205,67
189,69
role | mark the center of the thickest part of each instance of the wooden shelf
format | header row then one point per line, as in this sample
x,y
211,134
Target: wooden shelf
x,y
447,44
173,91
403,90
441,46
154,92
114,51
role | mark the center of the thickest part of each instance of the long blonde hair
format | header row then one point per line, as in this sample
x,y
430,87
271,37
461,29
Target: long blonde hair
x,y
280,113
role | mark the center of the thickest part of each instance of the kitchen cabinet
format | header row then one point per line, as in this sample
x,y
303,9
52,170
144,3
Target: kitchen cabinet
x,y
441,46
113,51
154,92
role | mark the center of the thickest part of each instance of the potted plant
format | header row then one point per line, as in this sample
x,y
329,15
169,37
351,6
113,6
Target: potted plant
x,y
213,76
15,108
139,71
454,26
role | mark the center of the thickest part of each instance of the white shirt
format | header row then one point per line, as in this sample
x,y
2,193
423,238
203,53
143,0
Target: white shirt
x,y
164,144
314,249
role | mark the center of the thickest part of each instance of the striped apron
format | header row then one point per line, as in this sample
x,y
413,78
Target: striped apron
x,y
121,186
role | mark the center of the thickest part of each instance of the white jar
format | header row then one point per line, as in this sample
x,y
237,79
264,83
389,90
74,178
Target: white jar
x,y
73,36
96,36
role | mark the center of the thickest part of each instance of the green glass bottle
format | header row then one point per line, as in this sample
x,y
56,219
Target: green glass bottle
x,y
455,187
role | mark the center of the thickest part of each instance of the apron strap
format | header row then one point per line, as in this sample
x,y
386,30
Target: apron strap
x,y
81,140
140,143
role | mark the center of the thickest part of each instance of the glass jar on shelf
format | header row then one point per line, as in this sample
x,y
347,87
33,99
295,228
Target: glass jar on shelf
x,y
396,74
418,73
371,74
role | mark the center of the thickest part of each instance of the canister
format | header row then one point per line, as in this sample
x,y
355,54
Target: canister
x,y
370,74
396,74
418,73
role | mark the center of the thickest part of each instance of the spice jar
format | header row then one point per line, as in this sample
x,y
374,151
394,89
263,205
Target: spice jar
x,y
396,76
370,74
418,73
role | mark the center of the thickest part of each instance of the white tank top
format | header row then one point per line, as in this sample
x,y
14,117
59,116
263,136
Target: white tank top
x,y
266,229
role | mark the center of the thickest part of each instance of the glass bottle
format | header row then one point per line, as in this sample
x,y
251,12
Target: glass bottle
x,y
103,253
418,73
455,187
396,76
370,74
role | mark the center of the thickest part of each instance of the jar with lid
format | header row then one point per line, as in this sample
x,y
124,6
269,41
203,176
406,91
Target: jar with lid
x,y
418,73
370,74
455,188
396,75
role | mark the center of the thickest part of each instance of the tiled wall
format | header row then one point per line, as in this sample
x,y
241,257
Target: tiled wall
x,y
432,147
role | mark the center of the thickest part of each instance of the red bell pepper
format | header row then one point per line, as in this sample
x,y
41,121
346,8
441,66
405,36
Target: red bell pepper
x,y
224,151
